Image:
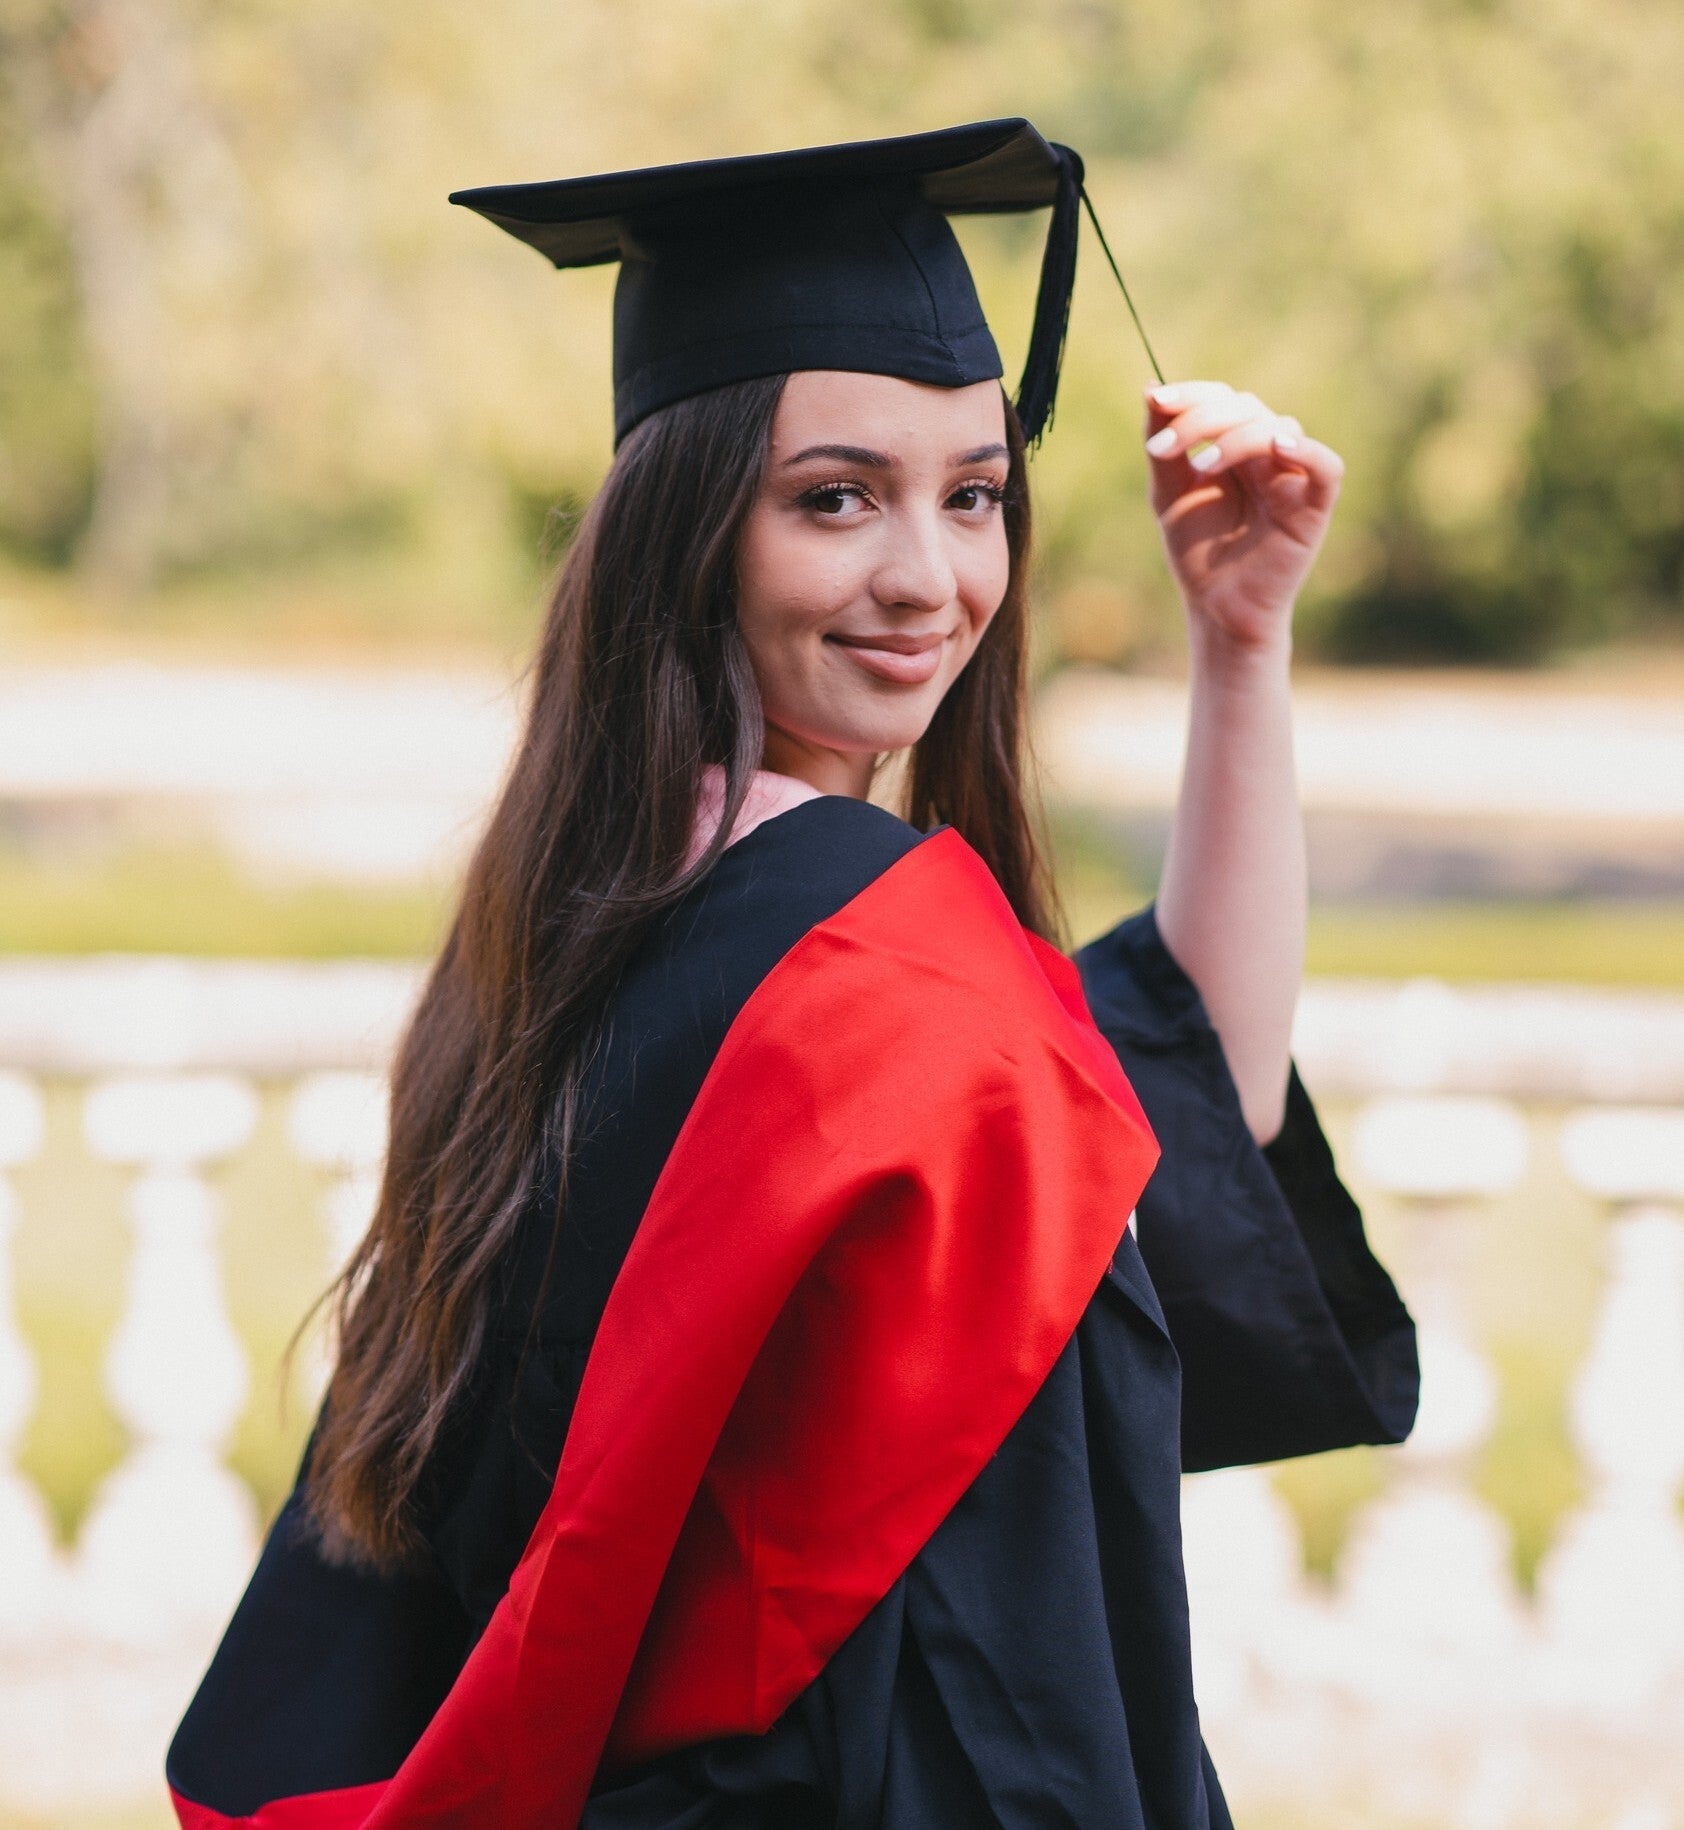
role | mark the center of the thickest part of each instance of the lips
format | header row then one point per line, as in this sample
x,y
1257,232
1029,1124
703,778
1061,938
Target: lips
x,y
907,660
894,644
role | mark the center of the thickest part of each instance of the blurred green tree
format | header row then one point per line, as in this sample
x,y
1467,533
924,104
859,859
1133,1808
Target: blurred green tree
x,y
241,339
47,441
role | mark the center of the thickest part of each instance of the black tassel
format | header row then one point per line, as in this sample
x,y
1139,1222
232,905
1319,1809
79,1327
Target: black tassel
x,y
1039,386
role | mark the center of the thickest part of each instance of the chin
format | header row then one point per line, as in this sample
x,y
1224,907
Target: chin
x,y
860,726
895,722
895,732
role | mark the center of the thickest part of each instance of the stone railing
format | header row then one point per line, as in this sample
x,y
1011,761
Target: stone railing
x,y
1417,1686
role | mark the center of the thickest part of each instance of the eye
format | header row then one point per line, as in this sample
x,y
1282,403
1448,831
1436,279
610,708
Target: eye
x,y
836,501
977,497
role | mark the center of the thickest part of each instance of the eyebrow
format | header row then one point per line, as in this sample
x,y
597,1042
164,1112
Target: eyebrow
x,y
868,459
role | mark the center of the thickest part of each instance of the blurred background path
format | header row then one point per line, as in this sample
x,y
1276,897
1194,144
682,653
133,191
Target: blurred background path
x,y
1514,830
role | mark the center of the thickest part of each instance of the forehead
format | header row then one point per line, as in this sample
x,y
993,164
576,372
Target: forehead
x,y
887,414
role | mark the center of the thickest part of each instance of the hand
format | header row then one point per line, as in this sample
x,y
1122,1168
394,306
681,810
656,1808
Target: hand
x,y
1244,515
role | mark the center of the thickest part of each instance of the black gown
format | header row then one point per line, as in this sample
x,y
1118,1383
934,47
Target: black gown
x,y
1032,1666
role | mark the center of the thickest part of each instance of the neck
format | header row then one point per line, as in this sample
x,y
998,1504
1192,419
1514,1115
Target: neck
x,y
768,795
826,771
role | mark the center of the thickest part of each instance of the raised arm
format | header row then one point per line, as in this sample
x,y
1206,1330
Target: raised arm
x,y
1243,499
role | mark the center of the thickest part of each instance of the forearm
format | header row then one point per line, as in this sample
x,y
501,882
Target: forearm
x,y
1231,903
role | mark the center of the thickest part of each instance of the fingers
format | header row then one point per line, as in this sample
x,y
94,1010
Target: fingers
x,y
1207,415
1163,403
1212,446
1323,468
1211,428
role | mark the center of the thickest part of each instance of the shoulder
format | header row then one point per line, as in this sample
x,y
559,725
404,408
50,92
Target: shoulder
x,y
1136,987
927,961
816,857
769,890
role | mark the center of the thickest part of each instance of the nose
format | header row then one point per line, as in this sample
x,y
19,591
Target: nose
x,y
915,571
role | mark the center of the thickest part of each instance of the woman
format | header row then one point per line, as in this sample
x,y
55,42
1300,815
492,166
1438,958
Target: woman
x,y
754,1405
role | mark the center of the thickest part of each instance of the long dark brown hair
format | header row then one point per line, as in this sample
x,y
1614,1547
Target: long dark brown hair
x,y
642,678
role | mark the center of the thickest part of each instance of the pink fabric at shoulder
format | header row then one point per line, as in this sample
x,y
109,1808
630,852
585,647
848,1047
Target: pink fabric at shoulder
x,y
768,794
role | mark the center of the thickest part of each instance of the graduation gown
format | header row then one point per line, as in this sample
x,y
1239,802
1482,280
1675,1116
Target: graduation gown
x,y
822,1465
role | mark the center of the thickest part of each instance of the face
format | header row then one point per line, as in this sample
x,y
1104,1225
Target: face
x,y
872,561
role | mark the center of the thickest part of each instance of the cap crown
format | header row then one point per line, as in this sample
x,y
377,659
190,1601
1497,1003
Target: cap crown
x,y
796,277
822,257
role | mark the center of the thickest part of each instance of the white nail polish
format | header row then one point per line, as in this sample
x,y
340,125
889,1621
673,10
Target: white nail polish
x,y
1205,457
1168,396
1161,444
1284,441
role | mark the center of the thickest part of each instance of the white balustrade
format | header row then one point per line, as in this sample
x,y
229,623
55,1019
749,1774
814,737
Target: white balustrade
x,y
1612,1586
30,1575
1426,1578
1418,1688
337,1121
169,1541
1244,1556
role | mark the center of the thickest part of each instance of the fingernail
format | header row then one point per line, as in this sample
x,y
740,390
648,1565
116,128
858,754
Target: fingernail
x,y
1169,396
1204,457
1285,441
1161,444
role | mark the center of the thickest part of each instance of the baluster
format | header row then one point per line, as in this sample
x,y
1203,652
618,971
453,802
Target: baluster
x,y
170,1539
29,1562
1412,1046
1427,1574
1244,1556
1612,1586
337,1122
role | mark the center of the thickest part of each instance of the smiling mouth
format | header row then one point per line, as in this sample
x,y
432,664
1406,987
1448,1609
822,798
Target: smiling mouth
x,y
890,644
903,660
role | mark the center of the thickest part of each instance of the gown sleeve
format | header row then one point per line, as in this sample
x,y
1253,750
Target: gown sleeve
x,y
1292,1336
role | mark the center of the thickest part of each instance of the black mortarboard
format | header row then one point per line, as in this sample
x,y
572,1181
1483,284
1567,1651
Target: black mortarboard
x,y
835,257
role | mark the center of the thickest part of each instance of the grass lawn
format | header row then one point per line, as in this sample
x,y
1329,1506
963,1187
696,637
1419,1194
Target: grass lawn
x,y
194,901
160,899
1633,944
1615,944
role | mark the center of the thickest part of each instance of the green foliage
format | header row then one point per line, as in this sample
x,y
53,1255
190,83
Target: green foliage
x,y
544,515
46,396
1447,234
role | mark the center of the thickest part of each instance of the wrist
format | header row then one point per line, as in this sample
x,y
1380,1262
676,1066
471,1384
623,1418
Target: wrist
x,y
1224,659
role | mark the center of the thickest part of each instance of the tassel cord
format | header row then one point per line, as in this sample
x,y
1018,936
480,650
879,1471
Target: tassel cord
x,y
1122,284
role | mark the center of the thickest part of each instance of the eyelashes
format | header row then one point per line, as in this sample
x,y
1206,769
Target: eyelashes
x,y
821,493
847,490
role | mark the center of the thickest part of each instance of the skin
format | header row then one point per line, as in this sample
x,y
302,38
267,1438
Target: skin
x,y
875,556
877,523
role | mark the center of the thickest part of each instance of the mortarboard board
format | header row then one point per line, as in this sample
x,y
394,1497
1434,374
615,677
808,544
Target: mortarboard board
x,y
834,257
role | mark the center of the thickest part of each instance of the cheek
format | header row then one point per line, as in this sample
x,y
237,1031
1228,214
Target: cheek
x,y
983,574
787,586
787,580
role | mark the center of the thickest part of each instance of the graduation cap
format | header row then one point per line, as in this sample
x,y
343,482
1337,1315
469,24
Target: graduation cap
x,y
826,257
